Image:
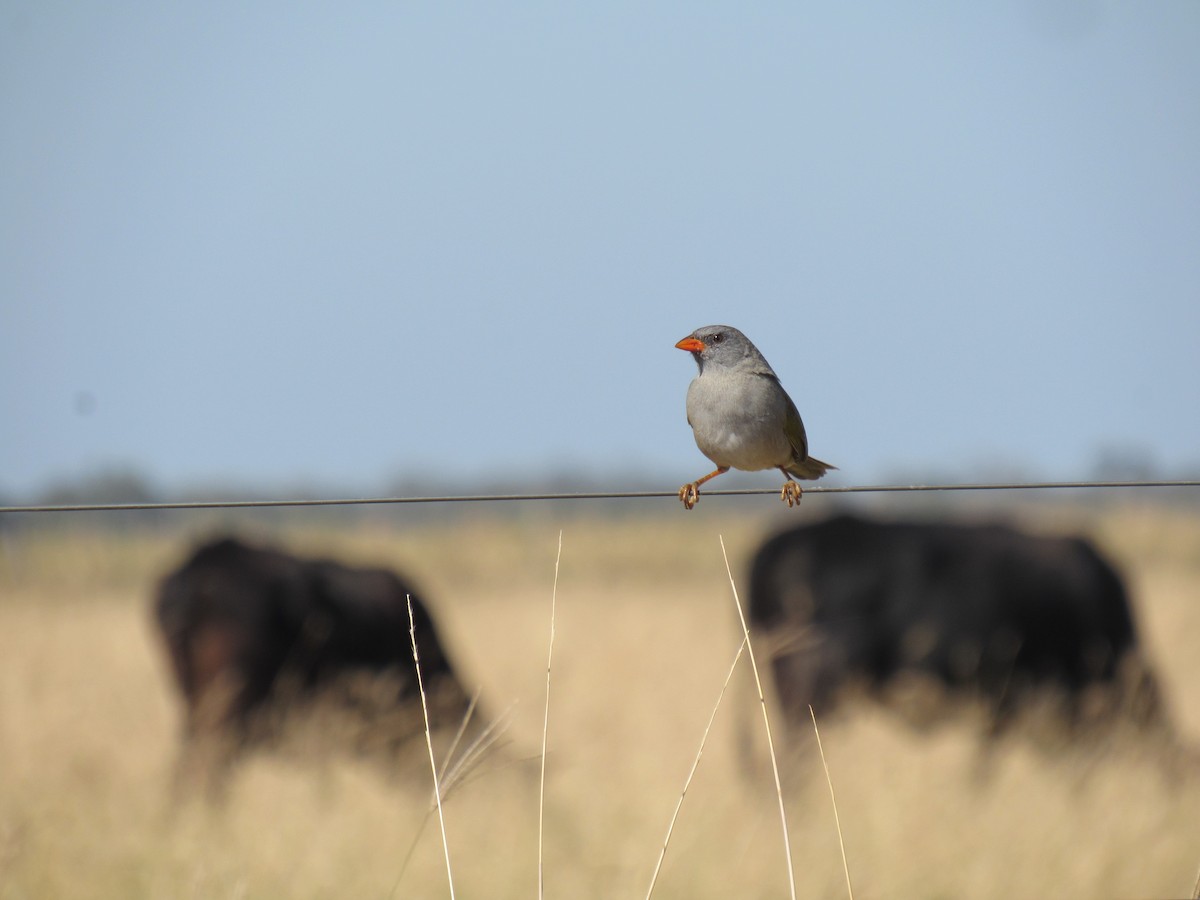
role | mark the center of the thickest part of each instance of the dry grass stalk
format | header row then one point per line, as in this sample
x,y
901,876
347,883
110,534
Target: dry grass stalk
x,y
455,772
762,700
836,818
458,736
695,764
437,790
546,721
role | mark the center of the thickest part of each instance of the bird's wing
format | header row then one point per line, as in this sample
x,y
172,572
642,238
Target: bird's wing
x,y
793,426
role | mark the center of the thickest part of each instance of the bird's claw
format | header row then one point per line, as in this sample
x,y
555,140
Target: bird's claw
x,y
791,493
690,494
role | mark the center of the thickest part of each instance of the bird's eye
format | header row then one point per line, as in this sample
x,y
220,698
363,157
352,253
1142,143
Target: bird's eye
x,y
718,337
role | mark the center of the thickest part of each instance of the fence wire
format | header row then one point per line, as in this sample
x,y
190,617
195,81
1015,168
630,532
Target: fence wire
x,y
592,495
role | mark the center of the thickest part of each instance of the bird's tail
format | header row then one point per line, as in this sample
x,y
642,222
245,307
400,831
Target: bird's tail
x,y
810,468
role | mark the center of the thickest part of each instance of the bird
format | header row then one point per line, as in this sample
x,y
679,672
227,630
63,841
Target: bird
x,y
741,416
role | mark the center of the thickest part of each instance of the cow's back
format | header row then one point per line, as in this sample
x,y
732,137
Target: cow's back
x,y
983,607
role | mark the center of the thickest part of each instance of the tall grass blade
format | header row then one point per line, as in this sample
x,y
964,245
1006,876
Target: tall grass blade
x,y
836,818
546,723
695,764
762,700
437,789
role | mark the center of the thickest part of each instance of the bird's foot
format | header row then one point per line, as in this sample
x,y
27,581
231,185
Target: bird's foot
x,y
690,494
791,493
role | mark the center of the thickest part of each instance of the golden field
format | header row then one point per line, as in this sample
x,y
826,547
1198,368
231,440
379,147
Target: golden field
x,y
645,632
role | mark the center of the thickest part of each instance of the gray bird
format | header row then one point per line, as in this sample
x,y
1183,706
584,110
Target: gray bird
x,y
740,414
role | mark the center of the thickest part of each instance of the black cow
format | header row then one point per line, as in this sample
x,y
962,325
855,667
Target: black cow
x,y
255,633
982,611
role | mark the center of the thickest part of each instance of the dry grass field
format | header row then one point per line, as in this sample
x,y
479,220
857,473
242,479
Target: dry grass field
x,y
645,633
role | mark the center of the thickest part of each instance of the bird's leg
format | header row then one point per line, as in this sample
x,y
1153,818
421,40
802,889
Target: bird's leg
x,y
791,492
690,493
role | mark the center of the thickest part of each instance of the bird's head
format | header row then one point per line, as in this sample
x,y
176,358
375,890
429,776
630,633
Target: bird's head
x,y
720,345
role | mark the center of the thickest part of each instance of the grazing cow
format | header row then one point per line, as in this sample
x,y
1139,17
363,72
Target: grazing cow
x,y
984,611
253,633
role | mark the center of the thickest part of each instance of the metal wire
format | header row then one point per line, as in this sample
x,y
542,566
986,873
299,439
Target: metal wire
x,y
591,495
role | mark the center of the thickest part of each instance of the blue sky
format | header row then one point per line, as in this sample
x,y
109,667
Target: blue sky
x,y
273,244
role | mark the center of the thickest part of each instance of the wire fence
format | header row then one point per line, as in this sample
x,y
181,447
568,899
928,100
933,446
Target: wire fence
x,y
594,495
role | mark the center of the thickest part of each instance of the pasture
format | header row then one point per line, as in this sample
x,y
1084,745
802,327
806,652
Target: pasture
x,y
645,632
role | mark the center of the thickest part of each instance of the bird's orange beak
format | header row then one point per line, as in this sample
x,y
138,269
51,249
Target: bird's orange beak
x,y
691,344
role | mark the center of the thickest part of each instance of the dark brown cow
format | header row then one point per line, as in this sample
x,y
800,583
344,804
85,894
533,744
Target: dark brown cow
x,y
254,633
984,611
